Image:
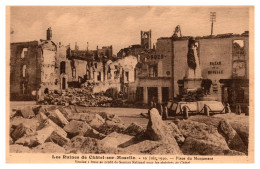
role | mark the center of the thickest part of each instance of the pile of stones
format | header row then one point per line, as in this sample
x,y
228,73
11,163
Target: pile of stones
x,y
66,129
83,96
70,130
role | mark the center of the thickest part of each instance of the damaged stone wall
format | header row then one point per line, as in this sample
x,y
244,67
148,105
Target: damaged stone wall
x,y
25,70
61,57
121,72
80,69
163,57
48,73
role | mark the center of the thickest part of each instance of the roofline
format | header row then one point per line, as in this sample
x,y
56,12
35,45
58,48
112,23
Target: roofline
x,y
24,42
226,35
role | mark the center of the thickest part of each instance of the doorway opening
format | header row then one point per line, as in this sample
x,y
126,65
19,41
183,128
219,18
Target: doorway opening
x,y
152,94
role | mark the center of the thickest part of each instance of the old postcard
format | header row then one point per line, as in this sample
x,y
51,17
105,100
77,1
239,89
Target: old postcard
x,y
130,84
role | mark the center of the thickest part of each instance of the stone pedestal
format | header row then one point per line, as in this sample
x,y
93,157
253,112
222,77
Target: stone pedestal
x,y
192,83
207,98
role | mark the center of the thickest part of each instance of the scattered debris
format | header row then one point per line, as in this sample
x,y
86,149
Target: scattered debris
x,y
69,129
57,117
27,112
74,128
134,130
110,127
115,139
232,138
22,130
83,96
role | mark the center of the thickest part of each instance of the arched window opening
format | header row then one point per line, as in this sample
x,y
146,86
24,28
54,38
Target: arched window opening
x,y
24,53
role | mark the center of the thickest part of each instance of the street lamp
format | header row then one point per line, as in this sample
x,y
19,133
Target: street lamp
x,y
212,19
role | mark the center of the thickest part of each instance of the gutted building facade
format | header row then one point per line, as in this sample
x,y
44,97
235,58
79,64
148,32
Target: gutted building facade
x,y
25,72
39,67
34,68
224,60
153,80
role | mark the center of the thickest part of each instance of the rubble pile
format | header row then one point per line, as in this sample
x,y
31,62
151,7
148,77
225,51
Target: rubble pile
x,y
83,96
66,129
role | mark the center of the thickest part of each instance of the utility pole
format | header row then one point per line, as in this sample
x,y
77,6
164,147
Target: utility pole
x,y
212,19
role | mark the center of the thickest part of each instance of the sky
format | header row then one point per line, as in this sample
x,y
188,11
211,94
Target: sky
x,y
120,26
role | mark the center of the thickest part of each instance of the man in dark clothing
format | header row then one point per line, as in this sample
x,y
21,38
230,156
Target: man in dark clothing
x,y
206,85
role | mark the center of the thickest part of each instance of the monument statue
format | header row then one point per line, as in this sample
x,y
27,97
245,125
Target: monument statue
x,y
193,87
193,70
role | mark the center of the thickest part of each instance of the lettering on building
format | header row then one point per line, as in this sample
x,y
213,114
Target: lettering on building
x,y
215,68
156,56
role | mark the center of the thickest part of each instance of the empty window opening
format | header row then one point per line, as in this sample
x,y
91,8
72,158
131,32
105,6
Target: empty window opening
x,y
24,53
24,70
62,67
153,70
99,76
127,76
139,93
73,72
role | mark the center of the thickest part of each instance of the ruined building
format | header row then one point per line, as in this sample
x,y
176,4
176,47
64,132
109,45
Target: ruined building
x,y
40,67
33,68
139,50
224,59
154,74
89,55
146,39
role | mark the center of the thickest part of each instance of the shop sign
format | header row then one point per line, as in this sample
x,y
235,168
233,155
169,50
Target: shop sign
x,y
155,56
215,68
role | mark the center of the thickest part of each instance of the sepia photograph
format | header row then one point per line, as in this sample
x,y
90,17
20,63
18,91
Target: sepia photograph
x,y
130,84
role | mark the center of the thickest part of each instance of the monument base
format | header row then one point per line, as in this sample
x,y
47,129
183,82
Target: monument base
x,y
207,98
192,84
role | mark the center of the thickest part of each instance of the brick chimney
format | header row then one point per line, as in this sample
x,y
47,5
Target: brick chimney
x,y
49,33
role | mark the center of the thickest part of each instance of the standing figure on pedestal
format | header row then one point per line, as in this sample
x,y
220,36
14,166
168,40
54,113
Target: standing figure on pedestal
x,y
193,70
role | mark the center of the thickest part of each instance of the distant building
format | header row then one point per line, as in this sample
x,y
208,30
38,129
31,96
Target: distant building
x,y
112,74
146,39
223,60
139,50
90,55
133,50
